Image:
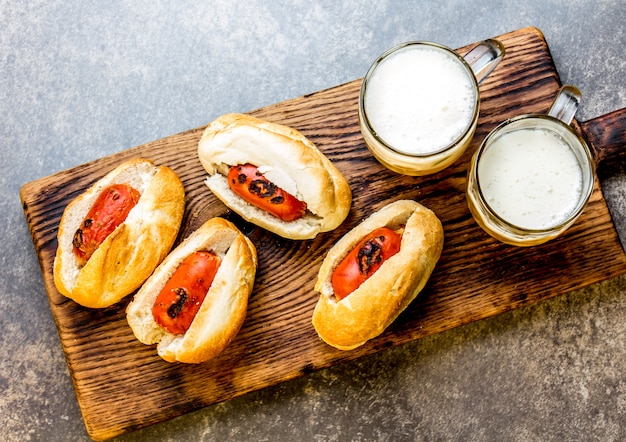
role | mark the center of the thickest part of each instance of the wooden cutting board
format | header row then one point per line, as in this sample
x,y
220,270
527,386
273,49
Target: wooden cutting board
x,y
122,385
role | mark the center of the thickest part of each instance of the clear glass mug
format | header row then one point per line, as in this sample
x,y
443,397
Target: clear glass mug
x,y
419,104
532,176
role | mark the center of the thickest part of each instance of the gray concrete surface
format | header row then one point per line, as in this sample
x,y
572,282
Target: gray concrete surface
x,y
80,80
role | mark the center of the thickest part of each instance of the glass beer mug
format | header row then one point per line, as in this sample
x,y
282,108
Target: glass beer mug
x,y
532,176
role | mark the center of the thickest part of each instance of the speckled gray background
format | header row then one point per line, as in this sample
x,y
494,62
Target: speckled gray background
x,y
80,80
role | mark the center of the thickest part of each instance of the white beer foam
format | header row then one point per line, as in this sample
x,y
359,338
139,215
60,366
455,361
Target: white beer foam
x,y
420,99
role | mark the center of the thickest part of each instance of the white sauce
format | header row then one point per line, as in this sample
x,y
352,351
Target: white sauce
x,y
281,179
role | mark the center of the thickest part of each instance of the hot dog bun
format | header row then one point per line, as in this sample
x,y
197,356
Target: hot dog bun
x,y
128,255
370,309
224,309
292,162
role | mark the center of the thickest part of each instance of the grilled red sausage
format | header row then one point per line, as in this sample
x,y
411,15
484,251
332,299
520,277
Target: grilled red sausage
x,y
250,184
364,260
108,211
181,297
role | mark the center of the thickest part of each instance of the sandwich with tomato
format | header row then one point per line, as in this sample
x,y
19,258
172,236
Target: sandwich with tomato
x,y
273,176
374,272
195,302
113,235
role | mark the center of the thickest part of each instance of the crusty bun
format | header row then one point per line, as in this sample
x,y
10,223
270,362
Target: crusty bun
x,y
128,255
224,309
370,309
290,160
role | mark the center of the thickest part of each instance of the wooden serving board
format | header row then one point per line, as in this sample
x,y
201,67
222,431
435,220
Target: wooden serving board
x,y
122,385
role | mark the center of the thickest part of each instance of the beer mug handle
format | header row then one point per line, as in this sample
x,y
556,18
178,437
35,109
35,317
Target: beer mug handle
x,y
484,58
565,104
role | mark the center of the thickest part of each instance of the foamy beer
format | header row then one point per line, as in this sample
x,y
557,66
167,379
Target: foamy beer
x,y
419,104
532,176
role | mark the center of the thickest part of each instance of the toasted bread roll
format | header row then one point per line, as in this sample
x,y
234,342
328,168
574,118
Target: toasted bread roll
x,y
367,311
287,159
132,251
224,308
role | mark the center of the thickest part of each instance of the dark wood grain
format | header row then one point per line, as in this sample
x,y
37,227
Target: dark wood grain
x,y
122,385
607,136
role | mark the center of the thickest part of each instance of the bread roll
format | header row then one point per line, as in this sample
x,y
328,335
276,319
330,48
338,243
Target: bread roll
x,y
128,255
223,310
287,159
371,308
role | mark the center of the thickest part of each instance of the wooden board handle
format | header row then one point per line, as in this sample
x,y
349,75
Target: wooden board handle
x,y
607,137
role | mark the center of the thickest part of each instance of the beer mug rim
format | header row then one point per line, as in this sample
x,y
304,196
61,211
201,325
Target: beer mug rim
x,y
402,46
582,152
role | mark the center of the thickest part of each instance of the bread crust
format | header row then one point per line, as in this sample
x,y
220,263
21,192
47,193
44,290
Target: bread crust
x,y
299,167
365,313
131,252
224,309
